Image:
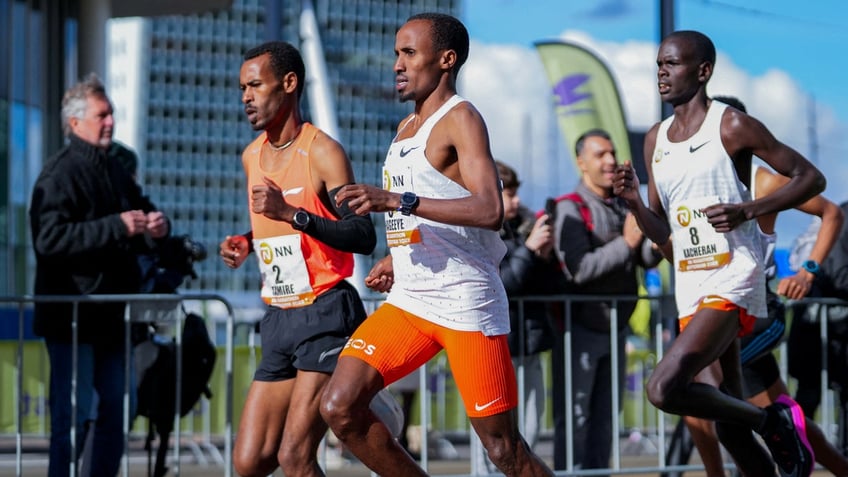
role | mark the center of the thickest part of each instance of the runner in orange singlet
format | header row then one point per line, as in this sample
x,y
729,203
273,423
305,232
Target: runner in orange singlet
x,y
304,243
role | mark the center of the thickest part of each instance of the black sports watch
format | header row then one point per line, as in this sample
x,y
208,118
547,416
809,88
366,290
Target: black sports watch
x,y
408,203
812,266
301,219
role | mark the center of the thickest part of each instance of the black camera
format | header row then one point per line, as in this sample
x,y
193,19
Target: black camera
x,y
168,263
550,210
196,250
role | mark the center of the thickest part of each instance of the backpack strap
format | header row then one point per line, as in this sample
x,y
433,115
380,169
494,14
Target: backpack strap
x,y
585,213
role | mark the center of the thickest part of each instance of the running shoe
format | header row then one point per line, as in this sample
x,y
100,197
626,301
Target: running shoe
x,y
785,434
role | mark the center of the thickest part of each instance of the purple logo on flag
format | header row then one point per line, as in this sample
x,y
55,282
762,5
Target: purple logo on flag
x,y
566,90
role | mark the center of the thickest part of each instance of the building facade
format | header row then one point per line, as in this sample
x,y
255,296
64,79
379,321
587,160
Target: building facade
x,y
36,39
174,81
190,127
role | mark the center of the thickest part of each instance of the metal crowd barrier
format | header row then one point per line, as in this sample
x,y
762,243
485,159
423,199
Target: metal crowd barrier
x,y
435,389
140,308
658,435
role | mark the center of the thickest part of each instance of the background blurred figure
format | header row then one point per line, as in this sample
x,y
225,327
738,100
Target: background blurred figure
x,y
89,220
528,268
407,388
805,343
602,248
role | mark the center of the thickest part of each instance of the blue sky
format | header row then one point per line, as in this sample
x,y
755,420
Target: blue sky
x,y
807,39
783,58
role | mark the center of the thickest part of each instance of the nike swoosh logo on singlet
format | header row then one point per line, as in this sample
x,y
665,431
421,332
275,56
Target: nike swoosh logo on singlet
x,y
695,148
404,153
294,190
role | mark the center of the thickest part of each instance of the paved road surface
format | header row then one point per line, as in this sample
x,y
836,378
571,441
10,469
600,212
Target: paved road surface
x,y
35,462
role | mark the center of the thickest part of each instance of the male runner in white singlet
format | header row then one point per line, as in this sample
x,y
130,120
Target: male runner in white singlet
x,y
698,164
444,209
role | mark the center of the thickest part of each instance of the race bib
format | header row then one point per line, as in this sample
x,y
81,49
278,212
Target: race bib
x,y
697,246
285,278
400,229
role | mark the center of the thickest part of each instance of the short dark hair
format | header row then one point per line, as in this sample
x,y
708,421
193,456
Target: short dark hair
x,y
596,132
448,34
509,178
732,101
704,48
285,58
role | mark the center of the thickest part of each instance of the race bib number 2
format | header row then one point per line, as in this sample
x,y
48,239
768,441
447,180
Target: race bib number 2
x,y
285,279
697,246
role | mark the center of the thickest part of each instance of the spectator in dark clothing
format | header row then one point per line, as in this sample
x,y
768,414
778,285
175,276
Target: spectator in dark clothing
x,y
89,220
601,258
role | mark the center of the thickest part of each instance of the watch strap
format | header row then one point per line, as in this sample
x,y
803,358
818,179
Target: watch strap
x,y
812,266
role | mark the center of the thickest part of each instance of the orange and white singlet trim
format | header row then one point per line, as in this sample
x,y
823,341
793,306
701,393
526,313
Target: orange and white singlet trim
x,y
746,321
689,176
447,274
295,267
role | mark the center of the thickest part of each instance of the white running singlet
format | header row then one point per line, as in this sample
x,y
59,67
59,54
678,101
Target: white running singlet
x,y
690,176
446,274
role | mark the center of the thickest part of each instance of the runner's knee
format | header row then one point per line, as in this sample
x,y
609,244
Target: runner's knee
x,y
663,390
250,465
336,410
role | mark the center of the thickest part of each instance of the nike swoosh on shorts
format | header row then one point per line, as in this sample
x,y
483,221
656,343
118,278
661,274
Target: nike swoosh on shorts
x,y
478,407
329,352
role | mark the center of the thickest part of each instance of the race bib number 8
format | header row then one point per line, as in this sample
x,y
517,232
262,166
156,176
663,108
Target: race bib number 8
x,y
697,246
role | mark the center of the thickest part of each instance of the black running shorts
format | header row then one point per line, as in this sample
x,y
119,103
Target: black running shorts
x,y
759,375
308,338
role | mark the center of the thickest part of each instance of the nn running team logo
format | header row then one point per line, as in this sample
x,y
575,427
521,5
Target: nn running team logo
x,y
266,253
684,216
658,155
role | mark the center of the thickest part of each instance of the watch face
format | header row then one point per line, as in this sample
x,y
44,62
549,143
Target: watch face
x,y
301,218
408,201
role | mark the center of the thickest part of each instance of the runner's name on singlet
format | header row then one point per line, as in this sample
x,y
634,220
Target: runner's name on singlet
x,y
697,245
400,229
285,279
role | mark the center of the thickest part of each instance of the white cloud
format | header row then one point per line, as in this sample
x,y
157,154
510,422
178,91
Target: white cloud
x,y
508,85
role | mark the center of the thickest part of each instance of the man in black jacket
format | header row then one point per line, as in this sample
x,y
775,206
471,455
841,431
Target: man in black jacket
x,y
89,221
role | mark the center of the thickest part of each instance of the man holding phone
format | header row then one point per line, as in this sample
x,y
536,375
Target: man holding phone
x,y
601,249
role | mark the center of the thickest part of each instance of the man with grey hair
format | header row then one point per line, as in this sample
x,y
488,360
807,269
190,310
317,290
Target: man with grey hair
x,y
89,222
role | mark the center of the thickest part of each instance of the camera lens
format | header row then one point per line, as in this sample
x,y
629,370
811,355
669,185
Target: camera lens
x,y
196,250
